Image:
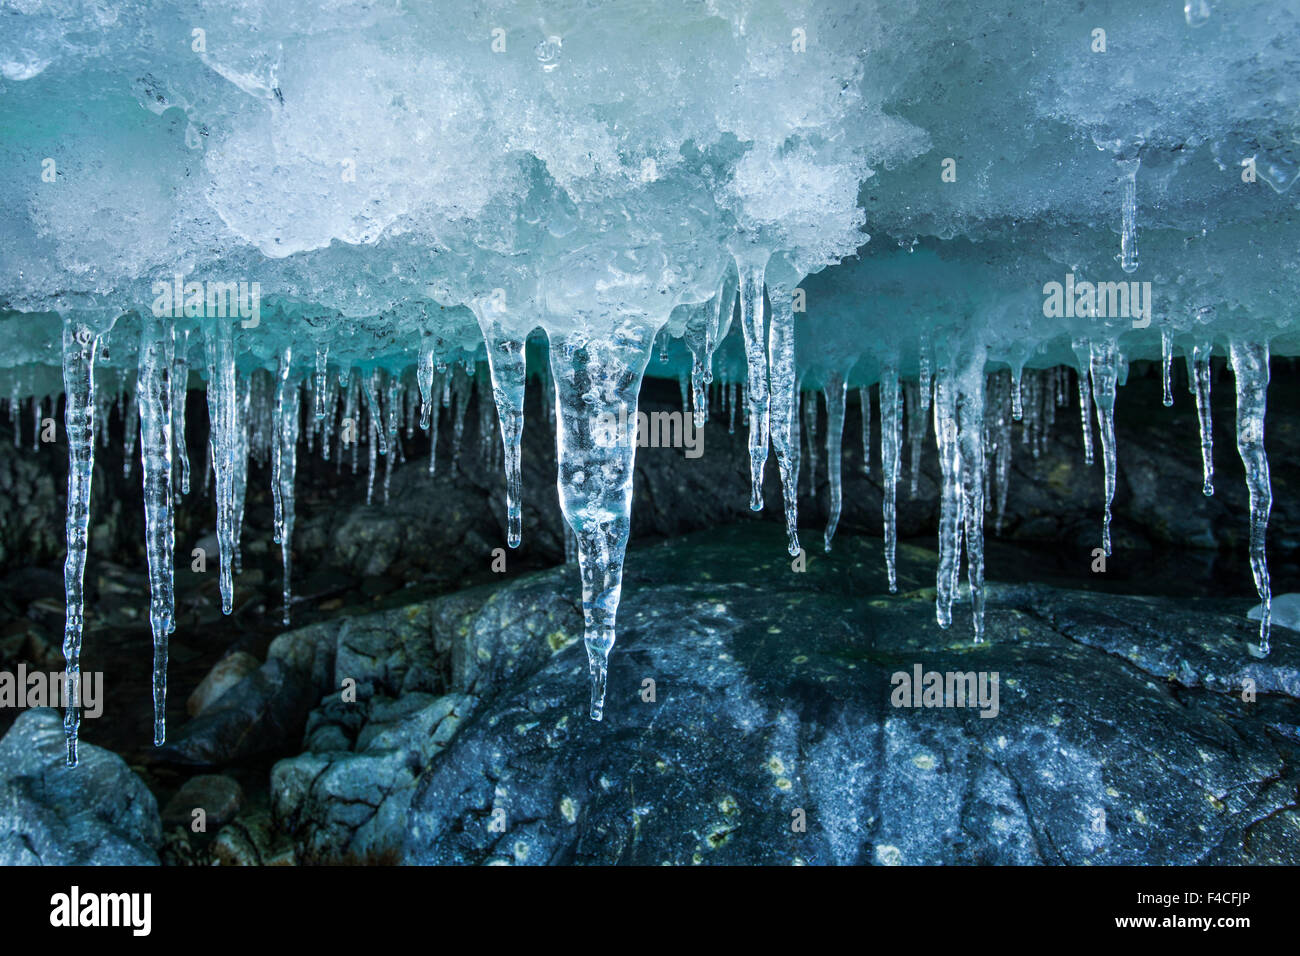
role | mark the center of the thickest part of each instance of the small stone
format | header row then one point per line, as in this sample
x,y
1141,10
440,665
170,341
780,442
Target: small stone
x,y
225,674
218,796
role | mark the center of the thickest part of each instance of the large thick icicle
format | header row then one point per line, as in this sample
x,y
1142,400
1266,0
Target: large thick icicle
x,y
80,346
890,439
835,393
1250,366
224,424
153,386
507,365
752,269
597,381
950,500
288,400
1104,370
783,401
1199,373
970,440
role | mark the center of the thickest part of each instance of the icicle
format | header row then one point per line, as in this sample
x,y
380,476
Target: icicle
x,y
153,386
723,307
731,407
37,415
1128,256
1104,370
1167,364
287,412
950,502
375,437
1083,360
1002,466
1199,373
1250,366
783,401
596,383
424,378
810,410
890,439
970,440
180,379
373,389
915,430
864,400
699,403
1017,399
508,368
322,376
223,438
834,442
752,326
393,410
244,403
80,346
433,411
684,386
331,413
350,428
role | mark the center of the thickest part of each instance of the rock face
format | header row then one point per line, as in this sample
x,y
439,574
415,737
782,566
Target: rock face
x,y
397,686
96,813
261,714
751,719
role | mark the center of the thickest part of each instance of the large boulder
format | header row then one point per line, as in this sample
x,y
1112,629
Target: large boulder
x,y
1126,730
98,812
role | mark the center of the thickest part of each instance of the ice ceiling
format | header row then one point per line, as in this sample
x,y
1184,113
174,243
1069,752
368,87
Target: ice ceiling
x,y
857,193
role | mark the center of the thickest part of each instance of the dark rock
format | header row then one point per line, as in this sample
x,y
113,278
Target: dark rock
x,y
225,674
98,812
419,672
263,713
218,796
776,703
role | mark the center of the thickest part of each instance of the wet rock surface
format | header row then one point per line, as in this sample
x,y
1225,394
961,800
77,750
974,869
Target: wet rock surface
x,y
99,812
773,707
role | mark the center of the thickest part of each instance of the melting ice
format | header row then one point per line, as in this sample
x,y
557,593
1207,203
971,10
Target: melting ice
x,y
775,197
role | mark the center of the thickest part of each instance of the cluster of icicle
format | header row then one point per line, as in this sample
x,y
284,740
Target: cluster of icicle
x,y
259,415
